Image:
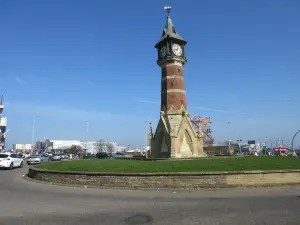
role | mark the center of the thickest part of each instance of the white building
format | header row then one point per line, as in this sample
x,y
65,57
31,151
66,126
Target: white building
x,y
90,147
64,144
121,148
22,147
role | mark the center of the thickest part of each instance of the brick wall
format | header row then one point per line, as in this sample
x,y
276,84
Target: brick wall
x,y
168,180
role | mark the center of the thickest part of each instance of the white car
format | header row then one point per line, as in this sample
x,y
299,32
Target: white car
x,y
10,161
56,157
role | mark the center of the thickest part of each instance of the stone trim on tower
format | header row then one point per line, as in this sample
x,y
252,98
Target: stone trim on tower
x,y
172,77
174,91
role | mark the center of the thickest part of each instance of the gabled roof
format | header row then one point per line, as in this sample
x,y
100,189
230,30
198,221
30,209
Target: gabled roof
x,y
170,32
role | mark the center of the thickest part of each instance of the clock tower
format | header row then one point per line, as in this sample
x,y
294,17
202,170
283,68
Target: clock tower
x,y
175,136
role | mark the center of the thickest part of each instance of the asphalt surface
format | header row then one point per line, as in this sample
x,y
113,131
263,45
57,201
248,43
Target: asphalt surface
x,y
24,202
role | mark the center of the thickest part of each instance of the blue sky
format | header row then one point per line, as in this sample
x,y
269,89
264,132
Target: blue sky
x,y
69,61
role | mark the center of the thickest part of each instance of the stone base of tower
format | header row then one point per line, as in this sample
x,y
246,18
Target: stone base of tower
x,y
175,137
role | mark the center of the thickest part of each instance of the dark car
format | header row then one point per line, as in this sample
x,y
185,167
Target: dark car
x,y
103,155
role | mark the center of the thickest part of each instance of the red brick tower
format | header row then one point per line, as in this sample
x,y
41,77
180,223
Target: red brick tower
x,y
175,136
171,59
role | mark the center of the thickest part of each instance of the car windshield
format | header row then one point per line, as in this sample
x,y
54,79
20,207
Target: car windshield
x,y
3,155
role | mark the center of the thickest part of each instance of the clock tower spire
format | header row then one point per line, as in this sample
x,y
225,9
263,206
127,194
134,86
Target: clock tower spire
x,y
171,58
175,136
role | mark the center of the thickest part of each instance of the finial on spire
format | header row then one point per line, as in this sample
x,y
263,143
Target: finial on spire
x,y
168,9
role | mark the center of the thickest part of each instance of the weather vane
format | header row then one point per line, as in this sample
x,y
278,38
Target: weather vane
x,y
168,9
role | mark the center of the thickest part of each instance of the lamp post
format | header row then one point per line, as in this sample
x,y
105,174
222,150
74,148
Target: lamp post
x,y
87,135
33,131
239,143
229,138
293,140
265,147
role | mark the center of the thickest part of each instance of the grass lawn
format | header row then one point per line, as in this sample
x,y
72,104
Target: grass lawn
x,y
199,165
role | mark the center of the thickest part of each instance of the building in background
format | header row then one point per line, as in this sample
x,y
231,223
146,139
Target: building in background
x,y
22,148
62,144
58,146
120,148
90,147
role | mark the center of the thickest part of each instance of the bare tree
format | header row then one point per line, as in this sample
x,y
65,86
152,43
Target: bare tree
x,y
109,147
75,150
100,145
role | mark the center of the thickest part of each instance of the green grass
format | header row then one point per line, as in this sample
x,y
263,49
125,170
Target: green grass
x,y
199,165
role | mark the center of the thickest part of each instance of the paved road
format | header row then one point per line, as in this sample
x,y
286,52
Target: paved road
x,y
23,202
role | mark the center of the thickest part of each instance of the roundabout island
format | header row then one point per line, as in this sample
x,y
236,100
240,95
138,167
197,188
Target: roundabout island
x,y
171,174
25,202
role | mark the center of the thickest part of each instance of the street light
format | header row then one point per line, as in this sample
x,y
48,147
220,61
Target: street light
x,y
87,135
293,140
33,131
266,151
239,143
229,137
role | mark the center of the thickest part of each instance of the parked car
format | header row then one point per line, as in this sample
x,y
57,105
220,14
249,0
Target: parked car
x,y
45,158
56,157
64,157
103,155
21,155
10,161
38,158
120,155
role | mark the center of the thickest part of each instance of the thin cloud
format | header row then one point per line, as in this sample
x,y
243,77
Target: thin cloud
x,y
19,80
146,101
218,110
210,109
61,112
194,107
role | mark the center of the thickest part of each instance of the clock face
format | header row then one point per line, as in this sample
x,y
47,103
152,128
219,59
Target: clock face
x,y
177,50
163,51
